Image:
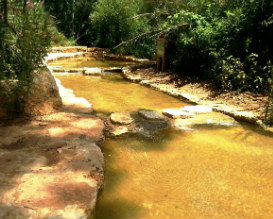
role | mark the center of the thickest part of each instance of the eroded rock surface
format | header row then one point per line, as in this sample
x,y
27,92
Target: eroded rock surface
x,y
43,97
52,166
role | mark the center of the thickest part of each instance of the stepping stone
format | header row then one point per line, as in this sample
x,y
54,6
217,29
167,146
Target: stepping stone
x,y
122,118
211,119
92,71
119,131
197,109
176,113
150,115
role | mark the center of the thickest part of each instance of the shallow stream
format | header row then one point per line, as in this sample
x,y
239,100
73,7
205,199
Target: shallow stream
x,y
210,173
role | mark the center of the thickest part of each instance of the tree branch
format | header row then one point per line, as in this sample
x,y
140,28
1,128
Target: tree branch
x,y
5,8
135,38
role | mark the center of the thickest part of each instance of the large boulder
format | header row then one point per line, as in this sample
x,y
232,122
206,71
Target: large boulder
x,y
43,96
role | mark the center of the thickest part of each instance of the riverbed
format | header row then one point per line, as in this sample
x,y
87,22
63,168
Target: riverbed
x,y
208,172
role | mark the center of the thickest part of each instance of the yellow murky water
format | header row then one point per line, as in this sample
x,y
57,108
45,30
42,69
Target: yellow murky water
x,y
89,62
111,93
210,173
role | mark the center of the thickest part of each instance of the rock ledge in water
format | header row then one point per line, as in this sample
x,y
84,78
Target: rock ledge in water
x,y
150,115
197,109
176,113
92,71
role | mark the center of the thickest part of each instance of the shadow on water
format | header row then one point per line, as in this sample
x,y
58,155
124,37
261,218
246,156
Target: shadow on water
x,y
110,205
157,141
116,209
113,77
253,128
211,127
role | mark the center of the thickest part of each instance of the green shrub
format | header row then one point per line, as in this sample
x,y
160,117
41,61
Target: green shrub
x,y
24,40
114,21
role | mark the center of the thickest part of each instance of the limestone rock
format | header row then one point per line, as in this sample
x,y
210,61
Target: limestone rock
x,y
61,183
197,109
57,169
122,118
71,102
176,113
69,49
150,115
92,71
210,119
67,70
119,131
43,96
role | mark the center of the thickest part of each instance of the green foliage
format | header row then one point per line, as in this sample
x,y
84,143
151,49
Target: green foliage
x,y
24,39
72,19
59,39
226,40
114,22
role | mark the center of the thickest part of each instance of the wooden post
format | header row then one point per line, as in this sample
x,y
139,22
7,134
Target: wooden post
x,y
160,53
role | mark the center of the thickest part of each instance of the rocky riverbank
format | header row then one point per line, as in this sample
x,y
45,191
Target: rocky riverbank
x,y
51,164
245,106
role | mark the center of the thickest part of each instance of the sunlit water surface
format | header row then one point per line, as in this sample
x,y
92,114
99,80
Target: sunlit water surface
x,y
210,173
90,62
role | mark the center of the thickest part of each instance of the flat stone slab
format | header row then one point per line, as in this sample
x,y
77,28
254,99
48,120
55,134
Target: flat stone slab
x,y
210,119
150,115
67,70
119,131
176,113
53,184
197,109
122,118
56,170
92,71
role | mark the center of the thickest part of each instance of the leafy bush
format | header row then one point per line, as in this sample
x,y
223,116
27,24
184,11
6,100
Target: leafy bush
x,y
24,39
114,21
227,40
72,19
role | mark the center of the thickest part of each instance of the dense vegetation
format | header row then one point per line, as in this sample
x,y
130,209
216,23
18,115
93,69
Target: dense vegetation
x,y
228,41
24,39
